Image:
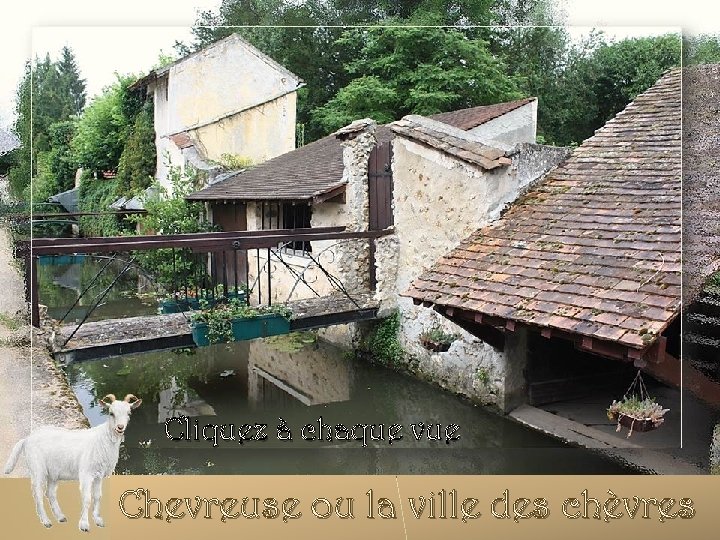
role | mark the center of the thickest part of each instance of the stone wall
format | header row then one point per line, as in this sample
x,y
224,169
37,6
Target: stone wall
x,y
439,201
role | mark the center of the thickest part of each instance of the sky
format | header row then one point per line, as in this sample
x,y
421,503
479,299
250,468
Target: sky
x,y
127,36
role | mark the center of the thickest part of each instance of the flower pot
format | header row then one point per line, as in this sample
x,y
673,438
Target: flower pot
x,y
200,334
260,326
173,306
636,424
434,346
245,329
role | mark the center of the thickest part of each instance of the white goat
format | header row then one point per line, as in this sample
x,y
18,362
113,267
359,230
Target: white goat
x,y
87,455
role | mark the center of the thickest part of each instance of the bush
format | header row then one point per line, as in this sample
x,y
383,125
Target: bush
x,y
173,214
96,195
383,344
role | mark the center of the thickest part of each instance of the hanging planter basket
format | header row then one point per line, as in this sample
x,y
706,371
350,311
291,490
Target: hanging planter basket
x,y
636,411
633,423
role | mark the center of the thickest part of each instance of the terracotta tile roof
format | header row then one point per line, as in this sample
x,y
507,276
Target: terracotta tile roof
x,y
317,168
304,173
433,133
594,249
701,177
475,116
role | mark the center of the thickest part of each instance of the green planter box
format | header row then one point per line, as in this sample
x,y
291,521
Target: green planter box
x,y
170,306
173,306
245,329
52,260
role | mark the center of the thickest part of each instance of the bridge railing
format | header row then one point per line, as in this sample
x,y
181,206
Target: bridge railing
x,y
252,265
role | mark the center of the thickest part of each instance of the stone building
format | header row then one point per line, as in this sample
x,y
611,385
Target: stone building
x,y
588,258
227,103
444,177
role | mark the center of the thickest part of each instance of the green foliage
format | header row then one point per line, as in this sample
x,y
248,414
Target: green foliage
x,y
383,345
701,49
138,160
105,126
386,73
437,335
171,213
58,95
96,195
408,70
219,317
318,56
45,184
235,161
638,408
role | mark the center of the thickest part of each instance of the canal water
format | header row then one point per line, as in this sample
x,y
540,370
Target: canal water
x,y
192,398
85,279
303,381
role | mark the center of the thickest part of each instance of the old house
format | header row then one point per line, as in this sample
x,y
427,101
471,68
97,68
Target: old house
x,y
429,182
589,257
325,184
227,104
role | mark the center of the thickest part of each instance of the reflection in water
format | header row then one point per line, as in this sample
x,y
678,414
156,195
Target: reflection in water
x,y
60,285
305,382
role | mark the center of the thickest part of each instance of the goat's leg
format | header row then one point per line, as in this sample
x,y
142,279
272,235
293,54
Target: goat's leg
x,y
38,489
54,505
86,482
97,493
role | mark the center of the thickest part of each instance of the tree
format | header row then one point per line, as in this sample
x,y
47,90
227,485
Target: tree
x,y
701,49
71,84
138,160
20,173
58,95
104,127
409,70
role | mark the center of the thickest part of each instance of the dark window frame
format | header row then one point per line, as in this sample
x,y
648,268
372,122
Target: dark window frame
x,y
287,215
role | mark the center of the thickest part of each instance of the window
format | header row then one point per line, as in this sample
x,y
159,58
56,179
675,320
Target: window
x,y
287,215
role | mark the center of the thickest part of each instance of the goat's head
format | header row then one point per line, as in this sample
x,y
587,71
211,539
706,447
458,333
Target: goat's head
x,y
119,411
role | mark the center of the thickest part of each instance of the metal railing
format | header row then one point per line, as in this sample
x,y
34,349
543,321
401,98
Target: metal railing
x,y
209,266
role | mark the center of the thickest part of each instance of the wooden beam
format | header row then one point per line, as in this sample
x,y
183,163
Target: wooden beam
x,y
334,195
671,370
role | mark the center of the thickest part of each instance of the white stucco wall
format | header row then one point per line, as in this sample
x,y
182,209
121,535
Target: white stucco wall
x,y
286,286
222,79
517,126
230,99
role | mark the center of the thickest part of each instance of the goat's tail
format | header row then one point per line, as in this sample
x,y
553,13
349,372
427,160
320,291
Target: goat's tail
x,y
12,460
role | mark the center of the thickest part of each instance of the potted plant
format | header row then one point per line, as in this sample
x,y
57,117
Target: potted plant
x,y
236,321
173,303
636,413
436,339
199,298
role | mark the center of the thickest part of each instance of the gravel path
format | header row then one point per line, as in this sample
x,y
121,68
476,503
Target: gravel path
x,y
27,379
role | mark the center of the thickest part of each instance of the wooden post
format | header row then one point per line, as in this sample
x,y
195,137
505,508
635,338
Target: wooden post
x,y
34,302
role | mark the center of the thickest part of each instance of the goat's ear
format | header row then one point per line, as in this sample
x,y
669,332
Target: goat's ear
x,y
135,404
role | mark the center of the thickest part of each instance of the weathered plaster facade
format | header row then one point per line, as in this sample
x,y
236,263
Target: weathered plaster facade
x,y
516,126
438,201
228,98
